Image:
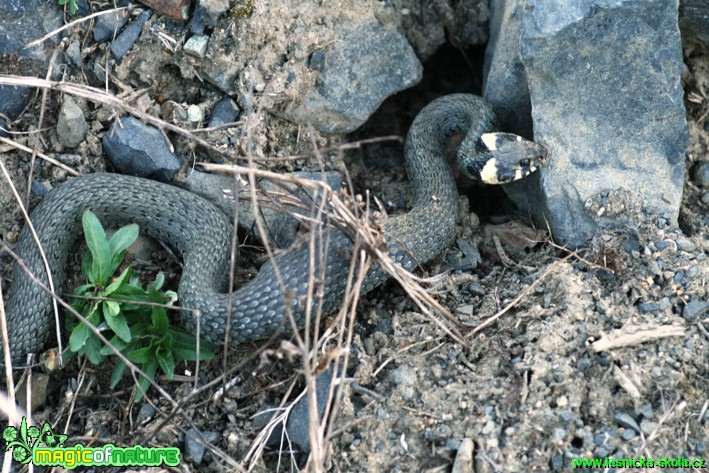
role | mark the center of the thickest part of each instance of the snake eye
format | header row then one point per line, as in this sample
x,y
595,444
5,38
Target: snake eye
x,y
525,163
471,169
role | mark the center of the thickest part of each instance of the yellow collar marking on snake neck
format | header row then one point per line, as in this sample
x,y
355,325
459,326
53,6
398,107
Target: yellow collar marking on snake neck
x,y
489,171
489,140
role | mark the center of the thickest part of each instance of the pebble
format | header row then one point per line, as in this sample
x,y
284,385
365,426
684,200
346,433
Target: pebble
x,y
196,46
71,124
648,426
701,174
224,111
627,421
685,244
140,150
695,309
107,25
194,446
195,114
125,40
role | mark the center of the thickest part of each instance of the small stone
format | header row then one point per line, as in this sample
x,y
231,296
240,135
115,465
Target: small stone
x,y
648,426
701,174
685,244
195,114
645,410
194,445
626,420
562,401
648,307
695,309
124,41
108,25
71,124
196,46
404,376
317,60
225,111
137,149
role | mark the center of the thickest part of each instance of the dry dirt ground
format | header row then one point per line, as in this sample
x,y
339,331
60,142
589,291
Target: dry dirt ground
x,y
599,352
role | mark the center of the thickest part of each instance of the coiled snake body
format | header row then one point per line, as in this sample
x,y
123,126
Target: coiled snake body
x,y
202,235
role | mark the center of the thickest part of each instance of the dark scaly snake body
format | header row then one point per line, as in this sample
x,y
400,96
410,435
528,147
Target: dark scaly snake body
x,y
202,235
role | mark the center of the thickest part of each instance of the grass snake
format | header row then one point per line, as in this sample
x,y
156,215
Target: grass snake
x,y
202,234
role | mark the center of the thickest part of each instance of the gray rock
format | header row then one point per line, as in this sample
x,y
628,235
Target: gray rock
x,y
71,124
108,25
219,189
40,189
73,52
225,111
648,427
196,46
694,19
317,60
13,100
195,114
685,244
626,420
464,462
404,376
145,414
222,73
428,25
695,309
504,78
194,446
298,423
366,64
137,149
21,22
701,174
592,107
281,228
207,12
125,40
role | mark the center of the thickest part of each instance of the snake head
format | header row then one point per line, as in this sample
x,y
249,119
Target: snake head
x,y
500,158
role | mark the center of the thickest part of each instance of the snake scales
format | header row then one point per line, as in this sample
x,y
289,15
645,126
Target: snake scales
x,y
202,235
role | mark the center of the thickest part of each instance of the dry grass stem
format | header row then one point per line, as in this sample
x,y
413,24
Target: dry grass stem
x,y
631,336
49,159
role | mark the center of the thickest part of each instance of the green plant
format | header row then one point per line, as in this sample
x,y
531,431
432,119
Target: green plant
x,y
72,5
132,317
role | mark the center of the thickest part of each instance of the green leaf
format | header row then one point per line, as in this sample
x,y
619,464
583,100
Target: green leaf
x,y
159,281
87,268
133,292
78,337
118,373
149,369
160,321
84,290
116,321
98,246
92,349
121,240
118,343
141,355
163,353
117,282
